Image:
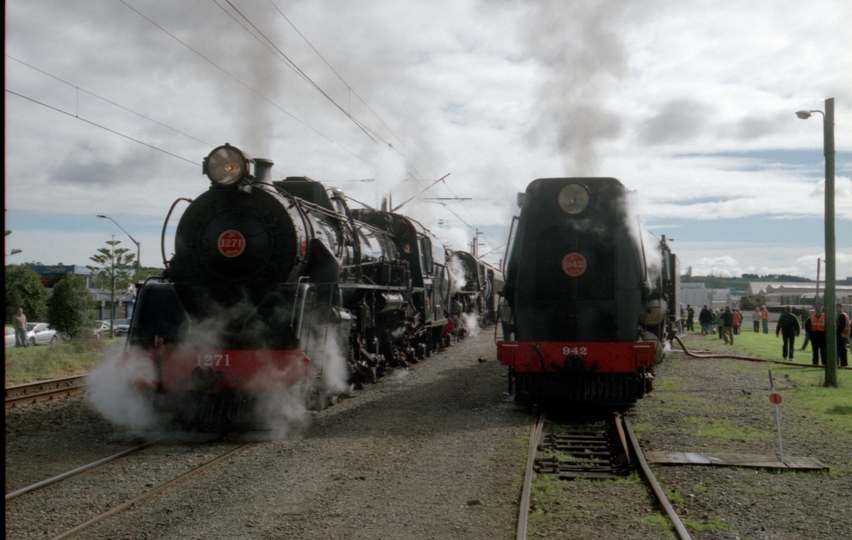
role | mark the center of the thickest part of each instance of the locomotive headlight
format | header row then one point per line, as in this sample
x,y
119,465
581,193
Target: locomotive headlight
x,y
226,165
573,198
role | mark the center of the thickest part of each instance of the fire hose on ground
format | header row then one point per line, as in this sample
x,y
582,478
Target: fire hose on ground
x,y
748,358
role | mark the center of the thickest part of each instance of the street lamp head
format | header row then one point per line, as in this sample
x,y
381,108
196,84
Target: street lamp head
x,y
804,115
104,217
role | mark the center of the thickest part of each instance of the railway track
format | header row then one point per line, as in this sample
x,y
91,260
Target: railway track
x,y
133,500
25,394
589,452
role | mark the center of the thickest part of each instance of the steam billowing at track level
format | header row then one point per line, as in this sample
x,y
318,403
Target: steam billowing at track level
x,y
279,296
587,302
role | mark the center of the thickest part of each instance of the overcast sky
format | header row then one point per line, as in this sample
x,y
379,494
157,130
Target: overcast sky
x,y
111,106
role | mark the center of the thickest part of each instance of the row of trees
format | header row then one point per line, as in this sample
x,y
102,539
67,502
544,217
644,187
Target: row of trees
x,y
70,307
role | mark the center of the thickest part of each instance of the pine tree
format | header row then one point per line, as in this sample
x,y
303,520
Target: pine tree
x,y
114,273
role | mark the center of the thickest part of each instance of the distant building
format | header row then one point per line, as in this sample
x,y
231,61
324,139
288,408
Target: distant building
x,y
124,301
50,274
696,294
776,294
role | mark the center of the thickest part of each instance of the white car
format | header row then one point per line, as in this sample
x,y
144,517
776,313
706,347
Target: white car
x,y
41,334
10,337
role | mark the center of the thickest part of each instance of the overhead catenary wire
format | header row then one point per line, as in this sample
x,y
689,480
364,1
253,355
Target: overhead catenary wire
x,y
415,175
348,86
267,43
292,65
102,127
108,101
252,90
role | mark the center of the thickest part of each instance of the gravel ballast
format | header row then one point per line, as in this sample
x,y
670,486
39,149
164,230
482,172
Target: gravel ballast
x,y
437,451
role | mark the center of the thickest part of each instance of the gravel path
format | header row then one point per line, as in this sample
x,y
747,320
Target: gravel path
x,y
438,451
432,452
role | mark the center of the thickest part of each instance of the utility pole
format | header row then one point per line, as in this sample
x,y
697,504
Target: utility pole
x,y
830,313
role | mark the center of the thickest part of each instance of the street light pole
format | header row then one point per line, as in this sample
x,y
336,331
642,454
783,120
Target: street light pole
x,y
830,298
138,244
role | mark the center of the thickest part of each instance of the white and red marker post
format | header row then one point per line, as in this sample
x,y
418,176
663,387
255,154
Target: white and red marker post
x,y
775,399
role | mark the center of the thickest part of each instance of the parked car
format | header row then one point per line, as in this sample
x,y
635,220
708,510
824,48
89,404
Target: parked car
x,y
39,333
101,329
122,327
10,337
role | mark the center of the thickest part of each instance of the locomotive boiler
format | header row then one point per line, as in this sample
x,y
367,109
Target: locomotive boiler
x,y
587,301
276,285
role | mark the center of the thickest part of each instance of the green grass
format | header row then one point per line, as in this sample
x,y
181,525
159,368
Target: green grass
x,y
803,388
712,523
658,521
52,361
723,430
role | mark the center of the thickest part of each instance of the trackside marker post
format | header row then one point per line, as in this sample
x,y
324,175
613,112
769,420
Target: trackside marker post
x,y
775,399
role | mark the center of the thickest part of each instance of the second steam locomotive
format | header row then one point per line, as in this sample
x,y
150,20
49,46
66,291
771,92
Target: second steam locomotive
x,y
278,285
587,301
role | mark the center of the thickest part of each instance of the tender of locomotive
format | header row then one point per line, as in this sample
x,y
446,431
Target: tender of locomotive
x,y
277,285
585,302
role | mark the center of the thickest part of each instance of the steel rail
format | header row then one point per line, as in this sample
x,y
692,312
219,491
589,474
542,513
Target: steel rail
x,y
523,513
147,494
619,426
29,399
652,480
39,384
44,390
58,478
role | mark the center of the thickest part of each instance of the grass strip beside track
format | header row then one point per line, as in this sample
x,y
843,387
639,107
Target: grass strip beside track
x,y
76,357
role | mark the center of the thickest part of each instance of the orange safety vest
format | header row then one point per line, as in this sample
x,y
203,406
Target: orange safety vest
x,y
818,324
844,327
764,315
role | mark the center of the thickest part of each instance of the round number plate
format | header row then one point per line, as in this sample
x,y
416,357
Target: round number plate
x,y
574,264
232,243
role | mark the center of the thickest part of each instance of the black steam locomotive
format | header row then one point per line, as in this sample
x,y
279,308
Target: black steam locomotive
x,y
586,303
279,285
475,292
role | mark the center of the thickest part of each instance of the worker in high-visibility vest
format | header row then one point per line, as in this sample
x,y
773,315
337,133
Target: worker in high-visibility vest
x,y
815,325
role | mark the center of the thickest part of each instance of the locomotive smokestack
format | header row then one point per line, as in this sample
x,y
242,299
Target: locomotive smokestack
x,y
263,171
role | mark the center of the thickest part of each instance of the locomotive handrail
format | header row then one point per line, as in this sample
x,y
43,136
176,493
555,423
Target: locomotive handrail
x,y
165,226
300,286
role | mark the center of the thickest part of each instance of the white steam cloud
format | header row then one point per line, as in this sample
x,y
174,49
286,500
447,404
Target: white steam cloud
x,y
471,323
578,46
116,394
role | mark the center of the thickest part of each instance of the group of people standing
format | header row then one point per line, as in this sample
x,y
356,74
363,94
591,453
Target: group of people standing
x,y
788,327
815,333
728,322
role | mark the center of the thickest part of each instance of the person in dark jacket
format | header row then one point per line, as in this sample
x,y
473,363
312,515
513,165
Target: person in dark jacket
x,y
690,318
842,323
806,315
788,328
726,325
705,319
816,327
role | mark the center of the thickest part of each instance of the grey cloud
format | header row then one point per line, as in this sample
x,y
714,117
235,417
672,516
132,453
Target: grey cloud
x,y
84,167
754,127
678,120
